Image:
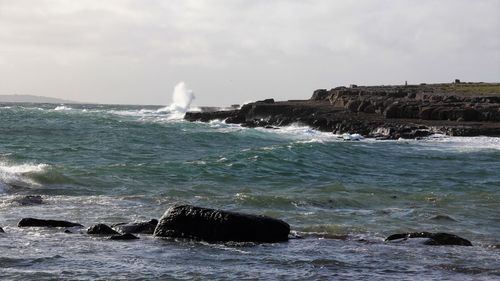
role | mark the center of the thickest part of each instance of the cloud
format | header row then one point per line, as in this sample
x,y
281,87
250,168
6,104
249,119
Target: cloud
x,y
94,49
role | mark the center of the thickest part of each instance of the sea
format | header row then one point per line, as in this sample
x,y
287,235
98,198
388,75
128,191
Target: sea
x,y
117,163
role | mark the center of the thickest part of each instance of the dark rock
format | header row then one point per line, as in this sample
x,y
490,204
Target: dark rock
x,y
1,230
266,101
29,200
366,109
320,94
31,222
434,239
126,236
68,231
101,229
442,218
186,221
145,227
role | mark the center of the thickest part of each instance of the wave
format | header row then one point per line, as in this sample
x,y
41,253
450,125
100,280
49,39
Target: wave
x,y
464,144
303,134
329,231
62,108
20,175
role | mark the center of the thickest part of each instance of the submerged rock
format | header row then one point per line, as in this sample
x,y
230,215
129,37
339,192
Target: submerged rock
x,y
1,230
186,221
28,200
434,239
101,229
442,218
126,236
31,222
144,227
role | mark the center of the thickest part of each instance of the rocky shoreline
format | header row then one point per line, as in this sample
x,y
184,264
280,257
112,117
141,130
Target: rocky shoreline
x,y
387,112
190,222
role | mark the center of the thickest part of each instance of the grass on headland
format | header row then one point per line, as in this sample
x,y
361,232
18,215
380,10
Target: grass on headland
x,y
472,88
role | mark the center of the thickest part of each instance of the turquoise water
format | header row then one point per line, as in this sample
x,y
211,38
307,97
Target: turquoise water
x,y
108,164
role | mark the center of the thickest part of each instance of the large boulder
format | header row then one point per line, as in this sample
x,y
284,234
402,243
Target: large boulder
x,y
31,222
144,227
434,239
186,221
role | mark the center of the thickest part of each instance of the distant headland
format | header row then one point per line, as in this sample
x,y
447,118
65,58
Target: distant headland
x,y
32,99
387,112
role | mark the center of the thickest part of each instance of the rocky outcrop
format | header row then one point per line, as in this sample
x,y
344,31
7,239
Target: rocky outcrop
x,y
31,222
101,229
186,221
434,239
379,111
145,227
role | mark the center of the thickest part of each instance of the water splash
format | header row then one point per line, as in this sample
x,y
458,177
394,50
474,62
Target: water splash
x,y
182,98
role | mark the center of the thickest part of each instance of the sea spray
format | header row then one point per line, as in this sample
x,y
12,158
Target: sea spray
x,y
181,101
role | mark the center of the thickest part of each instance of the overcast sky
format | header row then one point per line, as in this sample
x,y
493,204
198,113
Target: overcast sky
x,y
231,51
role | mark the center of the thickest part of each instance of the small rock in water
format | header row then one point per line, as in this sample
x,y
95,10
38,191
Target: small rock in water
x,y
145,227
434,239
1,230
28,200
67,231
31,222
126,236
443,218
101,229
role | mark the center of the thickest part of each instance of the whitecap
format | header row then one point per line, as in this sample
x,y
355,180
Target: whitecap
x,y
12,174
62,108
303,134
461,144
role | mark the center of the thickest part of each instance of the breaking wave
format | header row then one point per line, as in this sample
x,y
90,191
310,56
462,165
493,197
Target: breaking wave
x,y
20,175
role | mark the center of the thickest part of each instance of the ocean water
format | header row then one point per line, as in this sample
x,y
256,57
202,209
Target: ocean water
x,y
109,164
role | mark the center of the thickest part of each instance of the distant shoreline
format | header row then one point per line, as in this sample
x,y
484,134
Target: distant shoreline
x,y
33,99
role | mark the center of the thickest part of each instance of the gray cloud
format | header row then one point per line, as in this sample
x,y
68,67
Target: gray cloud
x,y
229,51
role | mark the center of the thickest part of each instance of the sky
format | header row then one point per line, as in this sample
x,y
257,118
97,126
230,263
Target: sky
x,y
235,51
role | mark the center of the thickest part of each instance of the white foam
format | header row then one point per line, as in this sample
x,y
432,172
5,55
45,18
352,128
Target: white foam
x,y
462,144
19,174
303,134
62,108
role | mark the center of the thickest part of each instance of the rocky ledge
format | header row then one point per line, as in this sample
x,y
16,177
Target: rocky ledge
x,y
391,112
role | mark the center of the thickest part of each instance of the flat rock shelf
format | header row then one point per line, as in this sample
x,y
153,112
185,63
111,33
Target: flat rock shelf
x,y
389,112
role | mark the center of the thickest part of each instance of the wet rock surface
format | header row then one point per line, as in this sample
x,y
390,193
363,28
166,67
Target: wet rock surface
x,y
389,112
32,222
434,239
101,229
126,236
186,221
145,227
28,200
